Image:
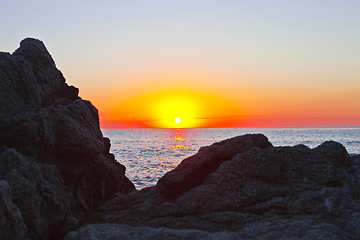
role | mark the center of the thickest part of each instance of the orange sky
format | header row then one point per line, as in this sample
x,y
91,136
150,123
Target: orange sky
x,y
160,109
213,98
238,107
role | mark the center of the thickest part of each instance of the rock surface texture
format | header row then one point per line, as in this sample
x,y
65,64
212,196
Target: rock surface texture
x,y
241,188
53,157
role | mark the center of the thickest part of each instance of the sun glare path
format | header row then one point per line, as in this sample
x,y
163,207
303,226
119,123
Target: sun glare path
x,y
177,120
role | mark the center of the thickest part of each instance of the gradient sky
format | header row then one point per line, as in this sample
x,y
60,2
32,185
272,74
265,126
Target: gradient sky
x,y
267,63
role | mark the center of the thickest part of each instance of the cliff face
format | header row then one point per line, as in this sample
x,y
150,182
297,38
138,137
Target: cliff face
x,y
53,155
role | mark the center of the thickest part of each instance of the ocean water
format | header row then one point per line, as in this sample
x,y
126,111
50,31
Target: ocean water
x,y
149,153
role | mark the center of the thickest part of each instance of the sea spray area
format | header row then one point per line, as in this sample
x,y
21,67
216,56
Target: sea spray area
x,y
149,153
59,180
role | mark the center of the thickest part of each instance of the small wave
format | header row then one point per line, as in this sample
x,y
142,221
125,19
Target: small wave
x,y
353,142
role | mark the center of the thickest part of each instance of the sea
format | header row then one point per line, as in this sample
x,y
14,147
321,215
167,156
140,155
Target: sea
x,y
149,153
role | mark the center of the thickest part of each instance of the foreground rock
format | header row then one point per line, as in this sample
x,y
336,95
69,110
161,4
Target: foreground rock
x,y
242,188
11,220
52,153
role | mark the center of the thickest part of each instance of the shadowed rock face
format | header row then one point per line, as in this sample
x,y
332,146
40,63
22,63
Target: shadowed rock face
x,y
11,220
52,152
38,109
246,186
193,170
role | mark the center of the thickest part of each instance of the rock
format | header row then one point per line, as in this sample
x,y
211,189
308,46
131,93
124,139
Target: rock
x,y
334,152
52,152
26,183
26,76
252,191
39,110
261,180
300,228
118,231
67,225
11,222
192,171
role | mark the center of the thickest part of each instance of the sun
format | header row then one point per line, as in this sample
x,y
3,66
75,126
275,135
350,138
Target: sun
x,y
177,109
177,120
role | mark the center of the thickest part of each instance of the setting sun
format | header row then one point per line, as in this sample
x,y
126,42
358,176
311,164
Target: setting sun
x,y
177,109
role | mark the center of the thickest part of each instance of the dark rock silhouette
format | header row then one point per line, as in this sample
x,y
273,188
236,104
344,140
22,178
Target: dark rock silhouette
x,y
255,191
11,221
193,170
52,151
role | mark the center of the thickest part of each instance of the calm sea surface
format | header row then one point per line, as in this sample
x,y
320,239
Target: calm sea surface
x,y
149,153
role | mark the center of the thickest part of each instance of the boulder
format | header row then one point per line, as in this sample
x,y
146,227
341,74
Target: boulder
x,y
288,180
244,189
52,152
192,171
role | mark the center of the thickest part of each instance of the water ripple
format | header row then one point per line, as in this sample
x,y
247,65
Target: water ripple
x,y
149,153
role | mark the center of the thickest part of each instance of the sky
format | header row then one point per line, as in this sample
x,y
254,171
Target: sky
x,y
229,63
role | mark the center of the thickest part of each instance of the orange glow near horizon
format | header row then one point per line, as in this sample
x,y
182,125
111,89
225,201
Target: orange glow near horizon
x,y
250,107
176,109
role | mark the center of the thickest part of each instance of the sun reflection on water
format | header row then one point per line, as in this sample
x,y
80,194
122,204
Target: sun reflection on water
x,y
178,146
149,154
178,136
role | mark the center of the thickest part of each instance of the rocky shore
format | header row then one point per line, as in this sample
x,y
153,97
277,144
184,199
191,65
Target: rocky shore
x,y
241,188
59,181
